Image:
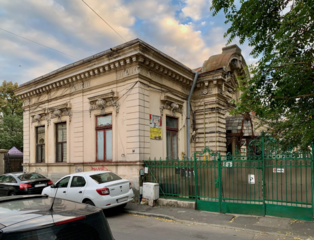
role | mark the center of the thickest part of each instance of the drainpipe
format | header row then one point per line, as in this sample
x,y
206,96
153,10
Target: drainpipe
x,y
188,116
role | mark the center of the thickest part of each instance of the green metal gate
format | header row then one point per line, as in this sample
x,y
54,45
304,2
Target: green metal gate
x,y
263,181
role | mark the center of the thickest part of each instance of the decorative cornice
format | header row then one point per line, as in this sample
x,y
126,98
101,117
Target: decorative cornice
x,y
121,66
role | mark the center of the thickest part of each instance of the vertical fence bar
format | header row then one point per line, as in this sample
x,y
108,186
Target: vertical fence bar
x,y
291,182
263,176
219,181
312,175
195,180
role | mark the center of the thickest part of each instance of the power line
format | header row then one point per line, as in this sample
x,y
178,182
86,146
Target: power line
x,y
36,42
103,20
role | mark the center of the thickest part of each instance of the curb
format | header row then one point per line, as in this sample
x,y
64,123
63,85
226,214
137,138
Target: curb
x,y
212,225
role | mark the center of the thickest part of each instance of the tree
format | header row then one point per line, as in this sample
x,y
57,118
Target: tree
x,y
281,88
9,103
11,131
11,113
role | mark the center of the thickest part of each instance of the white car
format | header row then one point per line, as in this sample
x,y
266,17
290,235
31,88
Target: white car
x,y
102,189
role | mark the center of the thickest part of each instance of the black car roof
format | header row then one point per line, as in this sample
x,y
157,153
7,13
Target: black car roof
x,y
31,211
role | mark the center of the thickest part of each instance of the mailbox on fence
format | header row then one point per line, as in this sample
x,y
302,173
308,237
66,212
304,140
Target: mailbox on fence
x,y
151,190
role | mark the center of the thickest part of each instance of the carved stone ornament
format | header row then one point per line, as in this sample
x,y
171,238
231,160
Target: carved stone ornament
x,y
39,115
37,118
205,91
100,102
59,111
172,106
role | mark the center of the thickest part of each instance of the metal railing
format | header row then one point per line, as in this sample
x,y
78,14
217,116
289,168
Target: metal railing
x,y
264,181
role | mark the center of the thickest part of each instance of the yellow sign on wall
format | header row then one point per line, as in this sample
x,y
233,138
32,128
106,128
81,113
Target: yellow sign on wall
x,y
155,127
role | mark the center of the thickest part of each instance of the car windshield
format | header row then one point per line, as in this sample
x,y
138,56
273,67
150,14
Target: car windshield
x,y
105,177
30,176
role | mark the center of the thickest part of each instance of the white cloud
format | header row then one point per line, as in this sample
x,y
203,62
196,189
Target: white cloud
x,y
196,8
71,27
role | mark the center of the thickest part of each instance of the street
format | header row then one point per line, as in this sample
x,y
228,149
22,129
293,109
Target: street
x,y
134,227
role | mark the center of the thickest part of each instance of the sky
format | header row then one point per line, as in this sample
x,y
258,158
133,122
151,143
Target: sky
x,y
183,29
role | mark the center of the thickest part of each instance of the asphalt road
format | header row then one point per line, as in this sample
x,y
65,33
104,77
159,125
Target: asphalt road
x,y
134,227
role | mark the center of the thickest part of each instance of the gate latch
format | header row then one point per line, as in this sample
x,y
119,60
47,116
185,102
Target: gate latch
x,y
217,183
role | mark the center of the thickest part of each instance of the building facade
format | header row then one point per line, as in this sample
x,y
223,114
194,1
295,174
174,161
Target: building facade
x,y
117,108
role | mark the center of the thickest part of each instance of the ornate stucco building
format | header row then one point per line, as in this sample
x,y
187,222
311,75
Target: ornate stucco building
x,y
124,105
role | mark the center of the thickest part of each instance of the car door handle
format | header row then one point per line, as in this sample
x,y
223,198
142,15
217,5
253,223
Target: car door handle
x,y
64,191
80,191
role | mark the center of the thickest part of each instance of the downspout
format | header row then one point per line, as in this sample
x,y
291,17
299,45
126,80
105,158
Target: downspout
x,y
188,152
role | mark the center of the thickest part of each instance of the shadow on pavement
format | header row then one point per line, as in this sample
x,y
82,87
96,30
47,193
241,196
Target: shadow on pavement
x,y
114,212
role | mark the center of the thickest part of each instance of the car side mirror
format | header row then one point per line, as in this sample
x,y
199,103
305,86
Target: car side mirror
x,y
53,186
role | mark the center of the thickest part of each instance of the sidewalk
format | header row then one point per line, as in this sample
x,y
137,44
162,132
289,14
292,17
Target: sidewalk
x,y
271,225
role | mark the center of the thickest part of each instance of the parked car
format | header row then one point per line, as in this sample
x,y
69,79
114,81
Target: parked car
x,y
23,183
102,189
30,217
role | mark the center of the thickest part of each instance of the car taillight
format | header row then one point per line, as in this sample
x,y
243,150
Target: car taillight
x,y
25,186
103,191
50,183
130,184
70,220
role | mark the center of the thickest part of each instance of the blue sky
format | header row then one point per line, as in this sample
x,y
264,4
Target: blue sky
x,y
183,29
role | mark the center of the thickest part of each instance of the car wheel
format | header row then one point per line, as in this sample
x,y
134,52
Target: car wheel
x,y
11,194
89,202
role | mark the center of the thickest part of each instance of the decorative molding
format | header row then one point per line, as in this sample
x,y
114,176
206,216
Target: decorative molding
x,y
59,111
79,86
39,115
171,103
128,72
206,91
92,70
26,102
100,102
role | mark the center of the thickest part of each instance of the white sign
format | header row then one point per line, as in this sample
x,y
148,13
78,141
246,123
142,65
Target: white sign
x,y
278,170
251,179
146,170
227,164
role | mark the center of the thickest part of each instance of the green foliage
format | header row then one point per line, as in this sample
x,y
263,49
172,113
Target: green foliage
x,y
281,88
9,103
11,131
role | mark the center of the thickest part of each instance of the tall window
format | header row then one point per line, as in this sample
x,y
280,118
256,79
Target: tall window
x,y
104,137
172,137
61,147
40,144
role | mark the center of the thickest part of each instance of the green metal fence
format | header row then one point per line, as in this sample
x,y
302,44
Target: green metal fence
x,y
264,181
175,177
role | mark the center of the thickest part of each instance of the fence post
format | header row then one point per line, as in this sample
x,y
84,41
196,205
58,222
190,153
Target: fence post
x,y
312,176
263,175
219,181
195,181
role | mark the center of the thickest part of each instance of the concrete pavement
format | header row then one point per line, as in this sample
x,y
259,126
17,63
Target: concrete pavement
x,y
134,226
270,225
